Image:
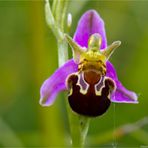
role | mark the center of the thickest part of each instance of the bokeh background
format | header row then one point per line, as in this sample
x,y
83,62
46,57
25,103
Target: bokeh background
x,y
28,55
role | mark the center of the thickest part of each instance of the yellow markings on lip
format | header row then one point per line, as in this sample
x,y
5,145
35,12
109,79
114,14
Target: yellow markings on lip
x,y
82,90
70,92
69,85
109,96
99,93
79,81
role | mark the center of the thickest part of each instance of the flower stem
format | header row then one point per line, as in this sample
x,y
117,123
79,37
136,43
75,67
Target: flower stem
x,y
62,52
51,22
55,20
79,127
84,125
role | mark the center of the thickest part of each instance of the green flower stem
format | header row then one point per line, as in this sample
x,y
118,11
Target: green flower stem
x,y
78,126
54,4
55,20
62,52
84,125
51,22
64,14
61,8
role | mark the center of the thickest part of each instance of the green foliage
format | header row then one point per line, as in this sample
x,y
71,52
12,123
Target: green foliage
x,y
29,55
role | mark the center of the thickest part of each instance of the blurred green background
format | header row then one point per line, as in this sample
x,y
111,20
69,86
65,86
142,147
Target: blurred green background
x,y
28,55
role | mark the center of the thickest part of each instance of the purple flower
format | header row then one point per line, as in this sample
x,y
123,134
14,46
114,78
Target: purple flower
x,y
89,77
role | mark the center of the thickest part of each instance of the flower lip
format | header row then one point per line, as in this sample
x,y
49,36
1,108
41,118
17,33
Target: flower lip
x,y
92,101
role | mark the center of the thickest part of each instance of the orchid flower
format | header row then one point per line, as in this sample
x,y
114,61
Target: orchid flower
x,y
89,78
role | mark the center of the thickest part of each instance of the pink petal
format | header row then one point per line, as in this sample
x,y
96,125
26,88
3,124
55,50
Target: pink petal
x,y
90,23
122,95
56,83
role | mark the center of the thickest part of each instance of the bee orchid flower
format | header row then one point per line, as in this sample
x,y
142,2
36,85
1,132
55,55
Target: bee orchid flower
x,y
89,78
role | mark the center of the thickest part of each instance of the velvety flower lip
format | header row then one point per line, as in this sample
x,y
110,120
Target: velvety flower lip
x,y
89,23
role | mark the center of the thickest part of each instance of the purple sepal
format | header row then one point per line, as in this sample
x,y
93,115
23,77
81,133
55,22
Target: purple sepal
x,y
56,83
121,95
89,24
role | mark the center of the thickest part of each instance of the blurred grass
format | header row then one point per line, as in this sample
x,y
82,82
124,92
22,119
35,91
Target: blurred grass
x,y
29,55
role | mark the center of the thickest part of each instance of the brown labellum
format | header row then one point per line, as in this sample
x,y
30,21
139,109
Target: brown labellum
x,y
89,92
